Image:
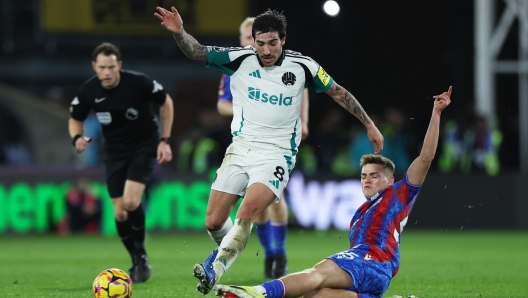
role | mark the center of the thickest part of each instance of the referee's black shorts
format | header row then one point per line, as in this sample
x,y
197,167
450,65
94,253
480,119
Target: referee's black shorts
x,y
138,168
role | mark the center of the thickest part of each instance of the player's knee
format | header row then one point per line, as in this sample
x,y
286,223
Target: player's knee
x,y
248,212
212,224
130,204
120,215
328,293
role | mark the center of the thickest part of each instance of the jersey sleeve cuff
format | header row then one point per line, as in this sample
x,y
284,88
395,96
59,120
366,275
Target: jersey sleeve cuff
x,y
411,186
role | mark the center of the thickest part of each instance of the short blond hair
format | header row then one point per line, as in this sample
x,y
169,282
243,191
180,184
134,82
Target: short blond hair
x,y
387,164
248,22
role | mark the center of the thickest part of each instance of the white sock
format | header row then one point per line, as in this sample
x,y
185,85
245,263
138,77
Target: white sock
x,y
233,244
260,289
217,236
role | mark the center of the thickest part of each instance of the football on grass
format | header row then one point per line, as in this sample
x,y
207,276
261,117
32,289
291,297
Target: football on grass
x,y
112,283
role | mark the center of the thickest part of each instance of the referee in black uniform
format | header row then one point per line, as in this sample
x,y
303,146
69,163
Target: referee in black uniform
x,y
133,145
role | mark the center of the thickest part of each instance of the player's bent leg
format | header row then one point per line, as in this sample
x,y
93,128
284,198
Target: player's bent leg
x,y
264,216
257,198
133,193
124,228
232,246
219,207
120,212
219,235
331,293
279,229
325,274
218,225
264,233
278,212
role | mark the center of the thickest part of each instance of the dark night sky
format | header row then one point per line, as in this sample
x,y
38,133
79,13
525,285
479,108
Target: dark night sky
x,y
400,53
387,52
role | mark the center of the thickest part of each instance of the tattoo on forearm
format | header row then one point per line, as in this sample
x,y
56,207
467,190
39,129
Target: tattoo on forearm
x,y
350,103
190,46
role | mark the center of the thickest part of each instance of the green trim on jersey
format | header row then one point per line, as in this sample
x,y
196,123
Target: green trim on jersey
x,y
322,81
235,133
217,58
289,163
293,145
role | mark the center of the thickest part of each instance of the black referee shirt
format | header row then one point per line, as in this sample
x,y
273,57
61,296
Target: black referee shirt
x,y
129,126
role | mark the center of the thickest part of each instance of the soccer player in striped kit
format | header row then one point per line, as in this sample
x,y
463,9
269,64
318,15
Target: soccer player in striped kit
x,y
366,269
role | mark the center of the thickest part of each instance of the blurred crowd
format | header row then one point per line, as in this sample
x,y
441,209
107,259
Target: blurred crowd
x,y
468,144
13,142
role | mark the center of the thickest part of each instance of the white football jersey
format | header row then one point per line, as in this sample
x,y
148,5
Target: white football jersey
x,y
267,100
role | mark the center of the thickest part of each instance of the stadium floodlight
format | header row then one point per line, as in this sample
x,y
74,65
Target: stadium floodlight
x,y
331,8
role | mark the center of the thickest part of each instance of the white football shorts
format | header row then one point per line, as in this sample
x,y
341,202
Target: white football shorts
x,y
242,167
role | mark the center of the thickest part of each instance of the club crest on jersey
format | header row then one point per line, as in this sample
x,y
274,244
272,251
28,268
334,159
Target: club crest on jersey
x,y
281,100
132,114
288,78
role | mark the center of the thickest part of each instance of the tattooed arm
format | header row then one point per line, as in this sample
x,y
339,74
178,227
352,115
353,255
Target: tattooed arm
x,y
351,104
348,102
172,21
190,46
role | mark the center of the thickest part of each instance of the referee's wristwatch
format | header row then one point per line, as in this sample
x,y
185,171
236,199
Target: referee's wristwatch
x,y
166,140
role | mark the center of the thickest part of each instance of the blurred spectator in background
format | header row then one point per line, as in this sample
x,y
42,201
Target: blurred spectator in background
x,y
13,147
83,210
509,151
330,140
396,139
470,145
202,148
55,96
357,146
481,144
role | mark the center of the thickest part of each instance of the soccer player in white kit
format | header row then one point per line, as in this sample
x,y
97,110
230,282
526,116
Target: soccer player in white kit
x,y
267,83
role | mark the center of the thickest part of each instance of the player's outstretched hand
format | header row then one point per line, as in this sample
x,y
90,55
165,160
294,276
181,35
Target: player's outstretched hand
x,y
172,21
442,100
376,138
164,153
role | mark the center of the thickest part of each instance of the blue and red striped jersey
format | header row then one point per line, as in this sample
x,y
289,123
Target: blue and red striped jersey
x,y
224,90
377,225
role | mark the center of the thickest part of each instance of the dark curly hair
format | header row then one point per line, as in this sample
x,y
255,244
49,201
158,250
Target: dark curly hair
x,y
107,49
270,21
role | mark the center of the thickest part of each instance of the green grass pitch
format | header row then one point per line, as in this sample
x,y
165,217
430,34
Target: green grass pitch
x,y
433,264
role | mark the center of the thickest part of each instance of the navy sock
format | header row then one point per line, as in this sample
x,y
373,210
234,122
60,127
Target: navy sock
x,y
264,234
274,288
137,221
279,231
